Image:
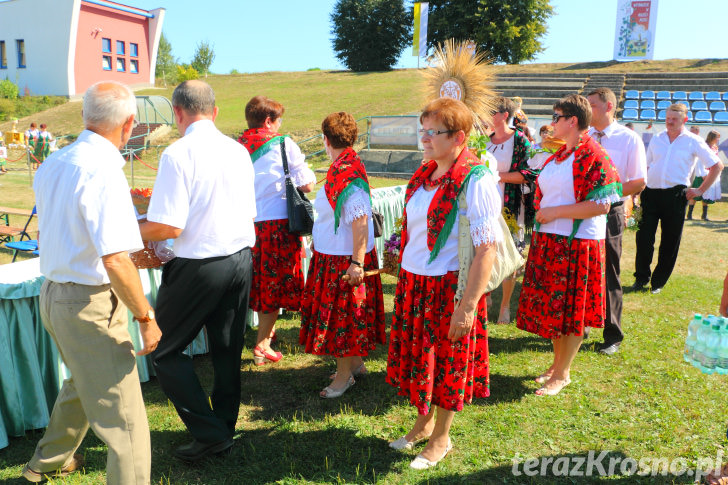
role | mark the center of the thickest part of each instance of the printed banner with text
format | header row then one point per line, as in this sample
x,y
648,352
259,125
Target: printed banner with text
x,y
634,37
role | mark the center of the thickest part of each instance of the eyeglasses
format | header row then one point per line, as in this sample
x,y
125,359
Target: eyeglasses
x,y
555,117
431,133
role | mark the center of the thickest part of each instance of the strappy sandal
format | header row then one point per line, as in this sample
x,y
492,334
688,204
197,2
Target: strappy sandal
x,y
545,391
358,372
330,393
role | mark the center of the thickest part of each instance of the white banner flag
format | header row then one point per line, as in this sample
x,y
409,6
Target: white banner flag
x,y
634,37
419,37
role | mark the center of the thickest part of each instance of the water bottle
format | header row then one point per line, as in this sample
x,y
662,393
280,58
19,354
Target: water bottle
x,y
699,348
722,365
692,337
712,346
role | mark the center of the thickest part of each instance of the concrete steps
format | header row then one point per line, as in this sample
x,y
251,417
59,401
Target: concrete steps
x,y
395,162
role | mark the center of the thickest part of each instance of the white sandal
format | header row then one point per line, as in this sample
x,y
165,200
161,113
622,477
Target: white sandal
x,y
403,444
330,393
422,463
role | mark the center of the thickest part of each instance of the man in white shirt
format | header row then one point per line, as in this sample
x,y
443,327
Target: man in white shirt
x,y
87,222
671,157
627,152
204,199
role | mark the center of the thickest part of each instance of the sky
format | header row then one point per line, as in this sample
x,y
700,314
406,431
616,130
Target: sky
x,y
295,35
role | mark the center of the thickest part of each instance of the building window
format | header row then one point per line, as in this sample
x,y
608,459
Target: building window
x,y
120,64
133,49
106,63
105,45
21,52
120,48
3,56
134,66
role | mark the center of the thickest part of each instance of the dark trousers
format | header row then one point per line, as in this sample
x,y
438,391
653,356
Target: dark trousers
x,y
212,292
666,206
613,245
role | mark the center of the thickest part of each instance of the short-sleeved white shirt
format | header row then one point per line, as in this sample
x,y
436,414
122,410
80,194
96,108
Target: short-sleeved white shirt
x,y
484,207
84,211
626,150
205,187
556,182
341,243
270,182
671,164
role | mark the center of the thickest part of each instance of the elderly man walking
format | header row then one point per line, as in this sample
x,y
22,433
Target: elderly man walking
x,y
627,152
86,218
204,199
671,157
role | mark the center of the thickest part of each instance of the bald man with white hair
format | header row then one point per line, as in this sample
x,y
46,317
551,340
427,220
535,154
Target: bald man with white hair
x,y
87,222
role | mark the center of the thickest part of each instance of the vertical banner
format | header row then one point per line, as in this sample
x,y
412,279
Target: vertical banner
x,y
634,37
419,37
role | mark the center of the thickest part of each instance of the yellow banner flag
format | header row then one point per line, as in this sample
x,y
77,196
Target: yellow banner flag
x,y
416,31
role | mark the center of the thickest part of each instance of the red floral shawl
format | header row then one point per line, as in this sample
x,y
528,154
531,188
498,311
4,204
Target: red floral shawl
x,y
595,177
444,206
259,141
344,174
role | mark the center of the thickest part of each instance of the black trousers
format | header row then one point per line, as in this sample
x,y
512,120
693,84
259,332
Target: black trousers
x,y
666,206
613,244
194,293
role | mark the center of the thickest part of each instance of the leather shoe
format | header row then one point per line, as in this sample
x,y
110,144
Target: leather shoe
x,y
609,349
196,450
36,477
639,285
655,291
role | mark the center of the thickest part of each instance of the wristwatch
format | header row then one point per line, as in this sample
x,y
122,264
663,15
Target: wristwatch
x,y
148,317
356,263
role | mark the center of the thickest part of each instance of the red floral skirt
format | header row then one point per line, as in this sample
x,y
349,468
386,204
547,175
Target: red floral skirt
x,y
277,273
423,364
339,319
563,287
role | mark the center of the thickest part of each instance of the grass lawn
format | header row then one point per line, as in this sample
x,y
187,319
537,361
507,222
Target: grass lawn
x,y
644,402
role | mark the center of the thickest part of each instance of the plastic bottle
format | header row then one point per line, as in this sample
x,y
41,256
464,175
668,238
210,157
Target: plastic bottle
x,y
722,365
702,335
712,346
692,337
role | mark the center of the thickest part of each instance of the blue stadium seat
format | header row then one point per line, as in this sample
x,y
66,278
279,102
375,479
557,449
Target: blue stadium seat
x,y
703,117
661,115
679,96
690,116
664,104
725,96
696,96
630,114
631,104
712,96
721,117
648,115
717,106
684,103
35,253
647,104
661,95
699,106
632,94
647,94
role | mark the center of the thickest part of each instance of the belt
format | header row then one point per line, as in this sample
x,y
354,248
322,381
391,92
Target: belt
x,y
617,204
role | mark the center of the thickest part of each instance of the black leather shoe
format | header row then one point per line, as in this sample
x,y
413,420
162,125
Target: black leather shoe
x,y
639,285
196,451
609,349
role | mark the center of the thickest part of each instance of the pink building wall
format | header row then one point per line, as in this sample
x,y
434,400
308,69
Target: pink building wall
x,y
96,22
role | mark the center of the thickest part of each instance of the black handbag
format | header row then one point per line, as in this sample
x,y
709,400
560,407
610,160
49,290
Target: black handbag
x,y
378,221
300,209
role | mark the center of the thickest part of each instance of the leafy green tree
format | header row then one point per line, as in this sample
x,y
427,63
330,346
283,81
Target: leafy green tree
x,y
510,31
186,72
204,55
369,35
166,69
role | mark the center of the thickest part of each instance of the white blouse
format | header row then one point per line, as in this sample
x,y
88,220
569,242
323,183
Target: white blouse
x,y
340,243
484,207
556,182
270,182
503,153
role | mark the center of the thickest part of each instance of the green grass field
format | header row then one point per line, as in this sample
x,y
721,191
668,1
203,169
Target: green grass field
x,y
642,403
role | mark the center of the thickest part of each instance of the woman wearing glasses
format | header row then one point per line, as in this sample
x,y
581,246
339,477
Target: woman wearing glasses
x,y
277,272
510,147
438,348
343,318
563,288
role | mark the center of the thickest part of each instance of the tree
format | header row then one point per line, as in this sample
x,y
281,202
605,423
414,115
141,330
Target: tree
x,y
509,31
166,63
204,55
369,35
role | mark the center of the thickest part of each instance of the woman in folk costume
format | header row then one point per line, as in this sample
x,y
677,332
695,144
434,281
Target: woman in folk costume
x,y
438,350
343,317
564,286
277,272
510,147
